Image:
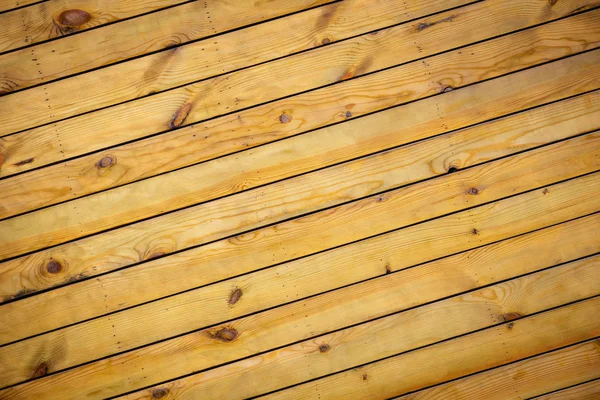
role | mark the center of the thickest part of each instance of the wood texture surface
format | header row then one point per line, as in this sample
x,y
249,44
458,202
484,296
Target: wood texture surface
x,y
56,18
217,55
358,137
463,314
146,158
185,316
448,360
308,199
585,391
149,33
7,5
524,379
477,144
196,102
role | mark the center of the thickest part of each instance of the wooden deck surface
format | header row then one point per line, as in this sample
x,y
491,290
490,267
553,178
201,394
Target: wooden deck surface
x,y
300,199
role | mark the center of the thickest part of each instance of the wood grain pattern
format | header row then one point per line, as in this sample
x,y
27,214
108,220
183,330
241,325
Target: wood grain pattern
x,y
130,121
356,345
218,55
145,34
145,158
6,5
585,391
491,347
56,18
524,379
88,260
476,145
466,312
493,179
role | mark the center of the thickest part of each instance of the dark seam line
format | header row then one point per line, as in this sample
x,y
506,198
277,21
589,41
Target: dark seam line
x,y
158,51
429,345
567,387
502,366
320,334
89,29
319,252
20,7
268,143
217,75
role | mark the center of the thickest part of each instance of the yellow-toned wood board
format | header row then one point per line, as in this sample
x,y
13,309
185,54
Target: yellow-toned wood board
x,y
449,360
56,18
6,5
356,345
467,312
296,155
585,391
222,54
148,33
139,242
481,143
146,158
524,379
193,103
185,316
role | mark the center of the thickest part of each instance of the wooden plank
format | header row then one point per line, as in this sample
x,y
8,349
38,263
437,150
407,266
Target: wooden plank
x,y
56,18
524,379
7,5
483,142
466,312
216,56
137,160
145,34
296,155
214,97
585,391
117,332
359,344
491,347
140,241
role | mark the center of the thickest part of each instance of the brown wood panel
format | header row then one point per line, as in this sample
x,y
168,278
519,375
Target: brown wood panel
x,y
477,102
215,56
196,102
465,313
56,18
117,42
481,143
524,379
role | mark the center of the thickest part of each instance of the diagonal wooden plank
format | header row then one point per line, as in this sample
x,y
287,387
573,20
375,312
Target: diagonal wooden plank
x,y
524,379
422,160
196,102
464,313
7,5
56,18
131,328
588,391
145,34
215,56
478,103
491,347
138,160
